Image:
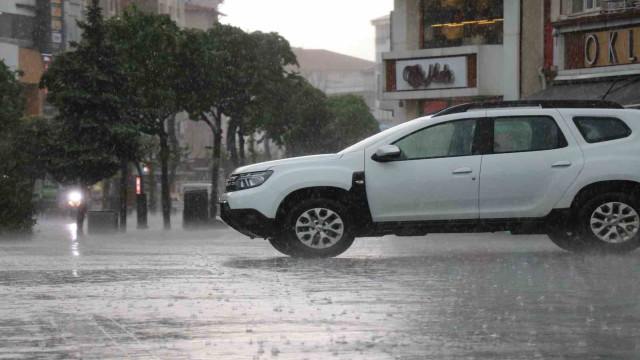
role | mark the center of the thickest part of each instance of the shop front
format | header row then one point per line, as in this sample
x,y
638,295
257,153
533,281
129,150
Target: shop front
x,y
449,52
428,84
597,58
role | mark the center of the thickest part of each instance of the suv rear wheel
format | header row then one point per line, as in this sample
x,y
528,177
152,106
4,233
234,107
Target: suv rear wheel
x,y
316,228
610,222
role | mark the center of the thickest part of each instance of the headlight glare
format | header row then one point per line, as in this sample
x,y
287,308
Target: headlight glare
x,y
247,181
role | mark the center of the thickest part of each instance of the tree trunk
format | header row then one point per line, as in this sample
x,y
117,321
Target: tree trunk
x,y
174,158
267,148
106,187
139,168
215,167
124,171
252,148
241,145
153,202
164,180
231,142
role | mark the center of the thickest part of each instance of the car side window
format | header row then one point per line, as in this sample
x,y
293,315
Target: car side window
x,y
454,138
526,133
597,129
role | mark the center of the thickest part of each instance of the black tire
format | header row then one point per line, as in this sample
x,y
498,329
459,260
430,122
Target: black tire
x,y
298,248
591,240
282,246
567,240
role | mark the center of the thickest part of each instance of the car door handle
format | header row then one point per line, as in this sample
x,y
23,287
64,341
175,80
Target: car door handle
x,y
560,164
462,170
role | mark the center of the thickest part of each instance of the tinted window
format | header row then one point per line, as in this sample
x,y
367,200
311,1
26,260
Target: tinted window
x,y
530,133
453,138
596,129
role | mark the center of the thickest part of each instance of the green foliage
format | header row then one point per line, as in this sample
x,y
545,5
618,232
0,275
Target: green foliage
x,y
95,125
69,159
352,120
306,121
147,47
12,100
16,188
218,70
17,209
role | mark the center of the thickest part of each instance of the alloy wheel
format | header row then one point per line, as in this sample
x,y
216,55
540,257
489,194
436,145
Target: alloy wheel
x,y
615,222
319,228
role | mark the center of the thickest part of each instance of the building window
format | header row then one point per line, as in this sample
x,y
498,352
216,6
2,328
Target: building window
x,y
447,23
578,6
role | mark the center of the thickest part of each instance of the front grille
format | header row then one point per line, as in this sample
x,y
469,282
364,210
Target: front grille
x,y
231,183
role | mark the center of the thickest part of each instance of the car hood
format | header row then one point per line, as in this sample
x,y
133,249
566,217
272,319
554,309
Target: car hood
x,y
296,160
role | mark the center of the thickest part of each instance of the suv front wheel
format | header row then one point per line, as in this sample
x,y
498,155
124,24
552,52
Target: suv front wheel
x,y
610,222
317,228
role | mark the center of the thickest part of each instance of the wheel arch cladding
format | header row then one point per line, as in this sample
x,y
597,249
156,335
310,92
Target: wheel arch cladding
x,y
631,188
327,192
355,200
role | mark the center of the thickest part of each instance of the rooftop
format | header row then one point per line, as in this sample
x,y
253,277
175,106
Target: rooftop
x,y
319,59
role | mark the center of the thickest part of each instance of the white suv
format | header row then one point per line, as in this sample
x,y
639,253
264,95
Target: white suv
x,y
569,169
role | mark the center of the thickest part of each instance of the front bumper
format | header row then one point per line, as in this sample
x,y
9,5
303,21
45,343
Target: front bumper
x,y
249,222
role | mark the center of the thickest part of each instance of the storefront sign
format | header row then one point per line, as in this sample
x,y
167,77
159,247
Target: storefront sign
x,y
432,73
614,47
57,26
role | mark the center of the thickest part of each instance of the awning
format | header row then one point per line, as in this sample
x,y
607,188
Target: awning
x,y
625,91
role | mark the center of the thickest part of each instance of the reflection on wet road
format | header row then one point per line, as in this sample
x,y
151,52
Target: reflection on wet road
x,y
149,294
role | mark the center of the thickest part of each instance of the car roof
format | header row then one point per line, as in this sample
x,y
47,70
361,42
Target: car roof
x,y
542,104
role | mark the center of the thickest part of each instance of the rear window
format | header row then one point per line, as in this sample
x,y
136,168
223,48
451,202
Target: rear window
x,y
597,129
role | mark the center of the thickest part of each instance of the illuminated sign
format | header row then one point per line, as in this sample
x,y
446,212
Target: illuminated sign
x,y
431,73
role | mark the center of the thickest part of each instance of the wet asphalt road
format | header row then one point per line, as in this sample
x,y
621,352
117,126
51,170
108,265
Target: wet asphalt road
x,y
218,295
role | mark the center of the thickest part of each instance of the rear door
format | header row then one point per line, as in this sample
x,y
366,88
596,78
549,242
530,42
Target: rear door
x,y
531,161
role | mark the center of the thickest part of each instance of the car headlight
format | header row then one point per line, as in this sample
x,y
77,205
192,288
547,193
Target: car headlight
x,y
247,181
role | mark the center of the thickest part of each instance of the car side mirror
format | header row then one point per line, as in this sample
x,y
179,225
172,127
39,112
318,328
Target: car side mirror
x,y
386,153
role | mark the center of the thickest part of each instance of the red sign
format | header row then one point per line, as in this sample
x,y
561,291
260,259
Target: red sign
x,y
138,184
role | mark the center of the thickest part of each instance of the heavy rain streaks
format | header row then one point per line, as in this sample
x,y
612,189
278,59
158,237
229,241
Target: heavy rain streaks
x,y
216,294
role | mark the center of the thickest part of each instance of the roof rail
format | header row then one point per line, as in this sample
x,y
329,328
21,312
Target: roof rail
x,y
544,104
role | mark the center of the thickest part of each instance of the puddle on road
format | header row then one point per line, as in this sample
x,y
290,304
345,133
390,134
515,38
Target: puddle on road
x,y
58,277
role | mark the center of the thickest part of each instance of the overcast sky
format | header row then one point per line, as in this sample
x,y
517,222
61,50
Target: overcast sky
x,y
342,26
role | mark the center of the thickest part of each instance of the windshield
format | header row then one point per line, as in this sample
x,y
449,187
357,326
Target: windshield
x,y
379,136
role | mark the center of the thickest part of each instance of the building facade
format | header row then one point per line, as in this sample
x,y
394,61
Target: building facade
x,y
594,51
31,32
382,27
201,14
337,74
446,52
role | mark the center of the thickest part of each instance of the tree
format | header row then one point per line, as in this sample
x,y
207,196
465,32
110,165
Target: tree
x,y
306,123
351,120
95,126
218,81
148,47
16,188
266,70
